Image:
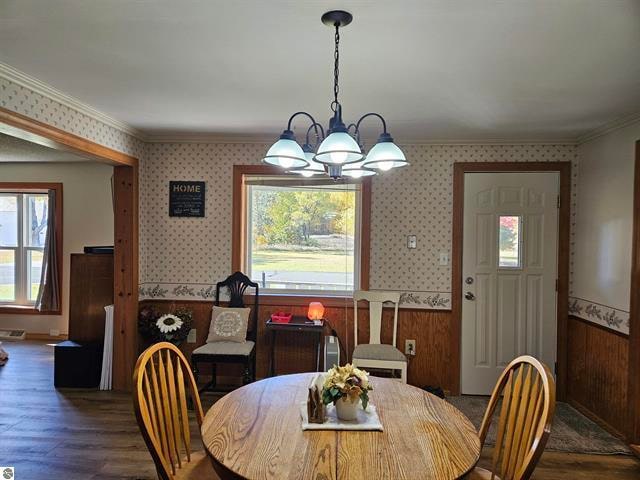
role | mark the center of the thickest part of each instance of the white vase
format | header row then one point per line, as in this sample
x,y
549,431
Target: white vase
x,y
346,409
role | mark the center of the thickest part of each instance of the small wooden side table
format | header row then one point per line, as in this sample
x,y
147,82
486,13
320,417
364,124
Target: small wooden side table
x,y
297,324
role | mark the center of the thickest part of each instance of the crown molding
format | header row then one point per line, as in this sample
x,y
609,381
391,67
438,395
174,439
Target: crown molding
x,y
185,137
270,138
609,127
16,76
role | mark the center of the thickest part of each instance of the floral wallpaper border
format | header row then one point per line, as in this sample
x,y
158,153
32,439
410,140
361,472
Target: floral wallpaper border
x,y
206,292
610,317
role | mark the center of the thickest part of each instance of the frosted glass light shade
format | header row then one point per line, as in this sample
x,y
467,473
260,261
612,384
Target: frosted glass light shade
x,y
314,168
385,156
286,154
338,148
356,170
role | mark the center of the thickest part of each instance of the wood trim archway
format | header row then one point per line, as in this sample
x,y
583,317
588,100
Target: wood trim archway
x,y
125,193
459,169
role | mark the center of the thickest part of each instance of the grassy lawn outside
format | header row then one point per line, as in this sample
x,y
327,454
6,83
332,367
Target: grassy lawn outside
x,y
301,261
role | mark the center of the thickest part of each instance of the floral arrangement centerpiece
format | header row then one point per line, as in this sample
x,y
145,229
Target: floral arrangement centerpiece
x,y
346,387
169,327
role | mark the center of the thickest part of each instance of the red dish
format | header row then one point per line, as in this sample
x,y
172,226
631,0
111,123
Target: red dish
x,y
281,317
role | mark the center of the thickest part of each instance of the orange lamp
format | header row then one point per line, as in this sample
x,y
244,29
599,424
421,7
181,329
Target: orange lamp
x,y
316,311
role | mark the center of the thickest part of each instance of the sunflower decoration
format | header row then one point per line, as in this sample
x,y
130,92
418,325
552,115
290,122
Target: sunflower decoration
x,y
165,327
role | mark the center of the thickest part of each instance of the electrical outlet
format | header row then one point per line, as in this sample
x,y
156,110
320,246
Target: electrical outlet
x,y
54,332
191,337
444,259
412,241
410,347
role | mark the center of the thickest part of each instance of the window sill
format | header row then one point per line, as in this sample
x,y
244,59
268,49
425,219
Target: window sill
x,y
25,310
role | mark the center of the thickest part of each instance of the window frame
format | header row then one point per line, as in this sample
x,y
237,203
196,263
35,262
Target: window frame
x,y
21,188
239,232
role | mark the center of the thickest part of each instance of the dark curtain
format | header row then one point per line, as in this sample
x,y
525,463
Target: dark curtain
x,y
49,292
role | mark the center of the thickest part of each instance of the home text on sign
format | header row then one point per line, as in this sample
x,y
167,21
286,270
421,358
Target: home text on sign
x,y
186,199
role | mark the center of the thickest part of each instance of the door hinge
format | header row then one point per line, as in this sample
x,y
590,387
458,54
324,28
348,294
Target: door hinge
x,y
555,368
558,201
556,284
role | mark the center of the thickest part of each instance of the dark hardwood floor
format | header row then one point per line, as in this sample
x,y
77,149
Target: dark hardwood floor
x,y
87,434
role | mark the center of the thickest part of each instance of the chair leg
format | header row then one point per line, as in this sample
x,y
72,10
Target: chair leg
x,y
246,375
403,374
195,371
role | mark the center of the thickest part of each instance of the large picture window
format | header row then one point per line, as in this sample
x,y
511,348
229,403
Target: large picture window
x,y
301,236
23,230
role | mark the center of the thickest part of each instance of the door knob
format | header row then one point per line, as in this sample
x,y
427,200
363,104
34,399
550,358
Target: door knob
x,y
469,296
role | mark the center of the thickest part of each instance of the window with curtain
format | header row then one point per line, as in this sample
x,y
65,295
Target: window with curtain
x,y
302,236
24,219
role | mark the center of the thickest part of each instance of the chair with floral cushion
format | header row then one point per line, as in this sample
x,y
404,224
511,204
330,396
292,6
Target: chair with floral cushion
x,y
232,332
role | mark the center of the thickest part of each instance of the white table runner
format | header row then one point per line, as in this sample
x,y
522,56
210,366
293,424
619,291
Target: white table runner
x,y
367,420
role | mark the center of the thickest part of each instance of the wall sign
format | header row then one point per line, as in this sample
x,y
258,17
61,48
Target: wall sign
x,y
186,199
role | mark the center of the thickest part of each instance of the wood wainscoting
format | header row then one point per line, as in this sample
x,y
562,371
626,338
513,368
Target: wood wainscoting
x,y
432,364
598,360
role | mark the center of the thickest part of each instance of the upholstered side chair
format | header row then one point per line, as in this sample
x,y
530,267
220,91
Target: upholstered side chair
x,y
243,353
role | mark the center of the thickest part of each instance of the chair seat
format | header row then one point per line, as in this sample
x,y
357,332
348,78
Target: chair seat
x,y
199,467
378,352
480,474
226,348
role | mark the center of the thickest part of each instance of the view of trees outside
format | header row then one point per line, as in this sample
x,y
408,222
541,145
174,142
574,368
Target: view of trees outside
x,y
35,213
509,241
302,238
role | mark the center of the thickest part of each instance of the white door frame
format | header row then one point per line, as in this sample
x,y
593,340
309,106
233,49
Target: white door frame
x,y
564,217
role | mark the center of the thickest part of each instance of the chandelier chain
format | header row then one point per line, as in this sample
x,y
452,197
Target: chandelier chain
x,y
336,69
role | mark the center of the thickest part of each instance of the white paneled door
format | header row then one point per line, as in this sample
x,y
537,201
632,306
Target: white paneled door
x,y
509,272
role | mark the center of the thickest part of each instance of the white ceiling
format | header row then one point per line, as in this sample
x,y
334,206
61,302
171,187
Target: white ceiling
x,y
437,70
16,150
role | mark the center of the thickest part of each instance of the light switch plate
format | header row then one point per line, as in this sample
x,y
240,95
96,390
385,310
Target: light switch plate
x,y
191,337
444,259
412,241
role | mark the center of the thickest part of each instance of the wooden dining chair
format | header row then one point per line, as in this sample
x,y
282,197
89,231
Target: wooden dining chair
x,y
161,379
376,354
528,394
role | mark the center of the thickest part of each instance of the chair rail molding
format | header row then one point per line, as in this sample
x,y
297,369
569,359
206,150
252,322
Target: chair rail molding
x,y
610,317
419,300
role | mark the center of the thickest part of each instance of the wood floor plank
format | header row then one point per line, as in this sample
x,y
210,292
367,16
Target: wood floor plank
x,y
86,434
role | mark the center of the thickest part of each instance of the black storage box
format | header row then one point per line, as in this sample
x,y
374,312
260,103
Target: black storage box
x,y
77,365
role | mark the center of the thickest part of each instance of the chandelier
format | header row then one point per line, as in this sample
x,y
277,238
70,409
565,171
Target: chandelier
x,y
340,153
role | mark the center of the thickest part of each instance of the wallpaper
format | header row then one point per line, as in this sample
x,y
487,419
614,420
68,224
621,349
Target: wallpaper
x,y
604,315
28,102
185,257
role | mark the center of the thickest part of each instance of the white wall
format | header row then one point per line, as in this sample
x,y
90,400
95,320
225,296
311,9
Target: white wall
x,y
87,220
602,250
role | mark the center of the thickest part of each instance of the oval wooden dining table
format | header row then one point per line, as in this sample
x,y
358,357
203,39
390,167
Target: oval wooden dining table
x,y
255,432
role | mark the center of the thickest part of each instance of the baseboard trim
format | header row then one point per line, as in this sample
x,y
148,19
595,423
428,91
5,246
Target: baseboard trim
x,y
45,336
596,419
